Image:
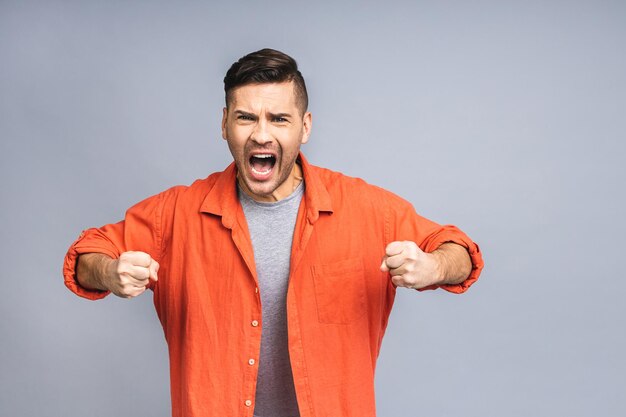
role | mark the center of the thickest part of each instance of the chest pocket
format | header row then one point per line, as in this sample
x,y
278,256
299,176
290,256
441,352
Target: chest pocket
x,y
340,291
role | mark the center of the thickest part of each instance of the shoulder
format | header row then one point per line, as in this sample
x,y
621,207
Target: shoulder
x,y
186,195
200,186
343,187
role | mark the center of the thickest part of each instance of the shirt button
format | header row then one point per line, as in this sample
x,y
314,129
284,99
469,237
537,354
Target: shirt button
x,y
254,323
251,362
248,403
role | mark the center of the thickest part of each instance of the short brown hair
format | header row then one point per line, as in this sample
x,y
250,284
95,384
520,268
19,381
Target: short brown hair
x,y
266,66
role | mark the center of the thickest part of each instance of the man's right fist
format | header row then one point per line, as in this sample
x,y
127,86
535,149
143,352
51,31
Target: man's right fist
x,y
130,274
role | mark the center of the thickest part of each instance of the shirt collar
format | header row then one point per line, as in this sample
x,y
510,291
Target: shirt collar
x,y
222,200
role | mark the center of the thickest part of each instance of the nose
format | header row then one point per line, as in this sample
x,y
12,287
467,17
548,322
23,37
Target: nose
x,y
261,134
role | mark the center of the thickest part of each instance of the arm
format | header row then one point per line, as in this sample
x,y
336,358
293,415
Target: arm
x,y
426,255
411,267
121,257
125,277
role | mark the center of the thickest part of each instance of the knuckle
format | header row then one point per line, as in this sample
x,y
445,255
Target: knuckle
x,y
130,292
122,268
398,280
125,256
144,257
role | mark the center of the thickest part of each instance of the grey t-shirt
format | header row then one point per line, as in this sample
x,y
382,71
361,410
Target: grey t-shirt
x,y
271,228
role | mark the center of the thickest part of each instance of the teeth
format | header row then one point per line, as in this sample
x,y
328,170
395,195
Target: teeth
x,y
260,172
264,155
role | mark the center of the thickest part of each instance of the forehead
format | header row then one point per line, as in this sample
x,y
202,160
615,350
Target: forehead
x,y
271,96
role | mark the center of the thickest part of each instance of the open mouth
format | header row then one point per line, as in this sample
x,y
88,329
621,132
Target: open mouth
x,y
262,165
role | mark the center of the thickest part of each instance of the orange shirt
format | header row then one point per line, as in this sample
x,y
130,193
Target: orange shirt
x,y
207,299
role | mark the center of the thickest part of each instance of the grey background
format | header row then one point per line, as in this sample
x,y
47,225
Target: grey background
x,y
505,118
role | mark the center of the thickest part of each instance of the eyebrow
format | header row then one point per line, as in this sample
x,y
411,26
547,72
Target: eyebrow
x,y
282,115
271,115
245,113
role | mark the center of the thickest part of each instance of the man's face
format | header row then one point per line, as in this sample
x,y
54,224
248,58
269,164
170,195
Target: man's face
x,y
264,128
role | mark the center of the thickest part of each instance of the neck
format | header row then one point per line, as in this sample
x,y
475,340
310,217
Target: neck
x,y
283,191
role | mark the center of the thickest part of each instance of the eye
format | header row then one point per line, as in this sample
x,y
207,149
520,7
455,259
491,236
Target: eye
x,y
280,120
244,117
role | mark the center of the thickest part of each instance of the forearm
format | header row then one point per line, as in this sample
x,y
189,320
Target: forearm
x,y
454,263
92,270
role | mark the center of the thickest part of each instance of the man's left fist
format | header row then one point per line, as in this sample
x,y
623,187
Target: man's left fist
x,y
411,267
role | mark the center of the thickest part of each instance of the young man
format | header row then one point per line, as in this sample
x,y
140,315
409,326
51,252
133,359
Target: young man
x,y
273,279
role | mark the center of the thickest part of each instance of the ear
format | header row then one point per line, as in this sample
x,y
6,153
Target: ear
x,y
307,121
224,120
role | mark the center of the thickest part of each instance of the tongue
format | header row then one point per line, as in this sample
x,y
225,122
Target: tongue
x,y
261,164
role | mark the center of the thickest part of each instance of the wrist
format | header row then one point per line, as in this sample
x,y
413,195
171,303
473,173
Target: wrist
x,y
107,269
440,267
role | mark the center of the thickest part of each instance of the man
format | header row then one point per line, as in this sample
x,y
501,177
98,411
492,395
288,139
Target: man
x,y
273,279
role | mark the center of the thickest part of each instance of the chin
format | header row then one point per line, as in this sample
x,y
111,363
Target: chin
x,y
260,190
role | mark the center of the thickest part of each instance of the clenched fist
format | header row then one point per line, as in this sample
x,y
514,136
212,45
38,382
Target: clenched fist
x,y
131,273
411,267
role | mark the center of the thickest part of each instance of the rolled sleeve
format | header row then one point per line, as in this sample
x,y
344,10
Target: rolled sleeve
x,y
89,241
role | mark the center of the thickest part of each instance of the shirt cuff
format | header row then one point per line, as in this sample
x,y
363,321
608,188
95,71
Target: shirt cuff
x,y
69,269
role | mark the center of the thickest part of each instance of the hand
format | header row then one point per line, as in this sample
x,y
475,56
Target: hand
x,y
130,275
411,267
